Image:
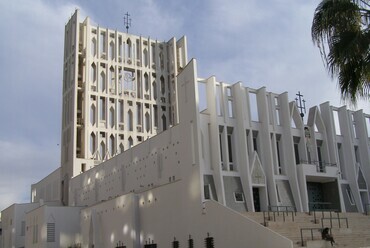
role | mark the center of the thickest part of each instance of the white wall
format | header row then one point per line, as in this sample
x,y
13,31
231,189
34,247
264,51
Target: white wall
x,y
47,189
67,226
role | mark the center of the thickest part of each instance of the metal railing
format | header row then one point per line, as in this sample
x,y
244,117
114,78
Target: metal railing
x,y
311,230
331,221
331,211
320,165
271,215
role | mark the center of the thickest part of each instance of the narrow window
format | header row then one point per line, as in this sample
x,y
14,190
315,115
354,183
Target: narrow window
x,y
278,143
92,115
163,85
93,47
230,150
207,192
102,150
230,108
130,121
138,111
112,145
350,196
154,90
146,82
102,82
164,122
155,108
111,51
92,143
111,117
147,122
278,194
102,107
253,106
120,111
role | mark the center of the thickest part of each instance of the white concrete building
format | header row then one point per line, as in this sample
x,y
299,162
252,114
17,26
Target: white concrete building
x,y
153,154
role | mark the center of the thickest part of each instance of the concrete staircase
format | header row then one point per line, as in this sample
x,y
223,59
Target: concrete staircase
x,y
357,235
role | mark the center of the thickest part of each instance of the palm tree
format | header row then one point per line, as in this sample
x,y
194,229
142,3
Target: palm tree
x,y
341,27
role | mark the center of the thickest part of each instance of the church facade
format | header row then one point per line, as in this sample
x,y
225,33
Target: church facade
x,y
153,154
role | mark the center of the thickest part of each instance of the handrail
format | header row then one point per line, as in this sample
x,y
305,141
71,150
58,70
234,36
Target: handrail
x,y
322,213
331,221
311,229
285,214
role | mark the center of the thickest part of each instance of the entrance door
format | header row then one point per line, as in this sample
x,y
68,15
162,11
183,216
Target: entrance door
x,y
256,200
315,195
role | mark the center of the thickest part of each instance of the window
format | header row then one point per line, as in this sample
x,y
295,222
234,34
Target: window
x,y
350,196
278,194
102,107
207,192
50,232
239,197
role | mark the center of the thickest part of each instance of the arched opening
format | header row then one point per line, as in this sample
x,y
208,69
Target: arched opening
x,y
92,143
111,117
102,82
112,150
145,53
130,121
93,47
92,114
130,142
111,50
154,90
102,150
147,122
164,122
93,73
146,82
163,86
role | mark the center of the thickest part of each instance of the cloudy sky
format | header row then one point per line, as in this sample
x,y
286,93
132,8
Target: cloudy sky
x,y
261,43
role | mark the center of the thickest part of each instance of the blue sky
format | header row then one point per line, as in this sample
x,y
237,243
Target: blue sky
x,y
261,43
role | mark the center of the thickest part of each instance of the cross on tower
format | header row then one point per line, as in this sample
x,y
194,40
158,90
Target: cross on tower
x,y
301,103
127,21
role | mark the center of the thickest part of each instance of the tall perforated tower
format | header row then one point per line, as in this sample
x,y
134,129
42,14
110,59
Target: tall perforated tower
x,y
119,89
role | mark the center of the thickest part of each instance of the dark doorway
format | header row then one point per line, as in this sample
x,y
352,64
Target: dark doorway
x,y
323,195
256,200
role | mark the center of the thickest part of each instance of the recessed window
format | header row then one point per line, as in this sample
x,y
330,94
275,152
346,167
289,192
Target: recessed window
x,y
239,197
350,196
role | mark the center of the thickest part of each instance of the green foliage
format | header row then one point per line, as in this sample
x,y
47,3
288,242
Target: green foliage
x,y
341,27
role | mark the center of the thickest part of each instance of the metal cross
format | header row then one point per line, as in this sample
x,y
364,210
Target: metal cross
x,y
301,103
127,21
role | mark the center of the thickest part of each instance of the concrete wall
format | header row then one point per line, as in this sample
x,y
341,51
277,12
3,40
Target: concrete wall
x,y
12,218
167,212
232,185
47,189
67,227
